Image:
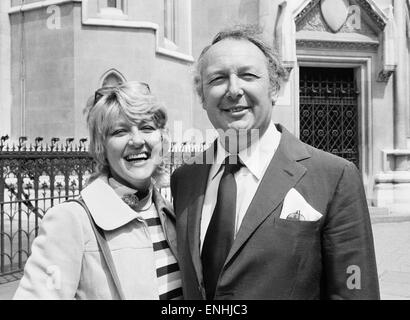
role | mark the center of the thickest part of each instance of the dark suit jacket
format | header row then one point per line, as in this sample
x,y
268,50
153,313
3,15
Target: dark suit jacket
x,y
272,258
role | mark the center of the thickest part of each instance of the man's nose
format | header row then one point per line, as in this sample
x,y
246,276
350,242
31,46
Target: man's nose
x,y
234,89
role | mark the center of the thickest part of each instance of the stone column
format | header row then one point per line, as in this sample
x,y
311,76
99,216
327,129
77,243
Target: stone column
x,y
267,18
5,71
401,81
392,187
402,156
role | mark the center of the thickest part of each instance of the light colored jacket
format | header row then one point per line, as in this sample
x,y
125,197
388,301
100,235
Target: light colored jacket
x,y
66,262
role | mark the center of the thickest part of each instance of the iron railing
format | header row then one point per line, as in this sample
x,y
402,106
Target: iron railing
x,y
35,177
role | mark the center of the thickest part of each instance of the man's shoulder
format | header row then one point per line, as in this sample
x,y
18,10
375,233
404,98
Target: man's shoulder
x,y
326,158
187,170
328,167
310,155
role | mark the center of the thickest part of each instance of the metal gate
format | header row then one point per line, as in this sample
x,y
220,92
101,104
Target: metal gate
x,y
329,111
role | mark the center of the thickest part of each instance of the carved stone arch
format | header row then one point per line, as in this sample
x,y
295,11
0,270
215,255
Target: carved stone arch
x,y
375,31
112,78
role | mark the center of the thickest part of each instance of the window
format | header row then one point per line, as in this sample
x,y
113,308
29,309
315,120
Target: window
x,y
112,78
170,20
176,30
112,9
114,4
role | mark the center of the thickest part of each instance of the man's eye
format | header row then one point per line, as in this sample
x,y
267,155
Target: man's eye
x,y
148,128
249,76
216,80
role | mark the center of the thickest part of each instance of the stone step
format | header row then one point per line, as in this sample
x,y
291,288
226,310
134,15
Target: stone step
x,y
386,215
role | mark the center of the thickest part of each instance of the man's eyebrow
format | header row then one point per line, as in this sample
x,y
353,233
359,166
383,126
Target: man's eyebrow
x,y
214,71
145,121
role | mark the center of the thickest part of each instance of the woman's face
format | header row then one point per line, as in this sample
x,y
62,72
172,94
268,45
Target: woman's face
x,y
134,151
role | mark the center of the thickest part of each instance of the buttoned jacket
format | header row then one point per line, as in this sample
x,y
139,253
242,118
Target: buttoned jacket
x,y
276,258
66,262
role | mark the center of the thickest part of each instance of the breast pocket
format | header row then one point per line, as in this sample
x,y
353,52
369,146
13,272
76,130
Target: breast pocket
x,y
304,229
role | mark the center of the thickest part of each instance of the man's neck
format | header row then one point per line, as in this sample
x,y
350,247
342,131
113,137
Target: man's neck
x,y
235,142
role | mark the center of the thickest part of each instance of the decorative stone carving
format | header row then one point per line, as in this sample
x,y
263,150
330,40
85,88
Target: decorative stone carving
x,y
389,54
335,13
306,10
385,75
365,6
342,45
285,34
371,12
313,20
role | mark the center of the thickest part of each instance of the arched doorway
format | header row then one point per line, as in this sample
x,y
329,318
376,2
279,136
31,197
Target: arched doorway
x,y
329,110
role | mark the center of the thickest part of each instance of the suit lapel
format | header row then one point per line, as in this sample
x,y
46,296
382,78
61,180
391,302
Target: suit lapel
x,y
283,173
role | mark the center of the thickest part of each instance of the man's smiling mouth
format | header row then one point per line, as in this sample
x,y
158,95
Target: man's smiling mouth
x,y
236,110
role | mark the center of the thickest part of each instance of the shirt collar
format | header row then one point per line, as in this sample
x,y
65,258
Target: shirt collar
x,y
256,157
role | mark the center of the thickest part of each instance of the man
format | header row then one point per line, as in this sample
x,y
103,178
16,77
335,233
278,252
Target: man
x,y
288,221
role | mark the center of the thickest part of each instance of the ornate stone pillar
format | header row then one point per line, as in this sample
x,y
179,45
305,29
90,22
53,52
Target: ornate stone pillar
x,y
5,73
267,18
401,80
392,187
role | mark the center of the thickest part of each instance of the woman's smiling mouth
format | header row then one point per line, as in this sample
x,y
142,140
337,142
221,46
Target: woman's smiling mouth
x,y
138,157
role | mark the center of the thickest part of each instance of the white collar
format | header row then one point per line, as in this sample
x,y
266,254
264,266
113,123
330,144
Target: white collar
x,y
256,157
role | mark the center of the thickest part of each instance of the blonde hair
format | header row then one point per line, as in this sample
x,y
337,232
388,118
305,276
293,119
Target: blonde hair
x,y
132,101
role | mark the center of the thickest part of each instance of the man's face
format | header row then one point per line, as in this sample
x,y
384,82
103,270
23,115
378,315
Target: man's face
x,y
236,86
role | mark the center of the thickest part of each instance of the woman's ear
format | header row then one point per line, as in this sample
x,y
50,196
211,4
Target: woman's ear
x,y
165,141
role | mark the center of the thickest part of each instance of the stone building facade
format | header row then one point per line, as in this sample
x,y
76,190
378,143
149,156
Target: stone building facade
x,y
348,62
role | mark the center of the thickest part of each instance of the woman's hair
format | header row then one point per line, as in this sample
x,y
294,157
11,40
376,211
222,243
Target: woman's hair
x,y
252,34
132,101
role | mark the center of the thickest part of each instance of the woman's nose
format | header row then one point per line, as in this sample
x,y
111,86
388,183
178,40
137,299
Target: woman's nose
x,y
234,89
136,138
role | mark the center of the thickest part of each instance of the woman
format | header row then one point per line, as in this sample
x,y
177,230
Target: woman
x,y
127,129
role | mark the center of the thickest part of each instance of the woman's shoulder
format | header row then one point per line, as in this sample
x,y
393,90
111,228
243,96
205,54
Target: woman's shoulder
x,y
68,215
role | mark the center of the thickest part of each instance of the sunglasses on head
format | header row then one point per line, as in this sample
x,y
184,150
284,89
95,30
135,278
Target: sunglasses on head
x,y
104,91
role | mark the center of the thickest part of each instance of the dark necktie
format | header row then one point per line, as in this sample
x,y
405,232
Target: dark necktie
x,y
221,230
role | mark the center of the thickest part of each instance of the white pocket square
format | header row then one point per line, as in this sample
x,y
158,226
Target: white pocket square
x,y
295,207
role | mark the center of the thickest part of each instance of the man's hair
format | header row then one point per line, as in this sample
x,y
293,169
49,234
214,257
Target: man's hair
x,y
130,101
252,34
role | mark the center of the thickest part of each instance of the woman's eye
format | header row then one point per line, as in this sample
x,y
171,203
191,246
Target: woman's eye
x,y
118,132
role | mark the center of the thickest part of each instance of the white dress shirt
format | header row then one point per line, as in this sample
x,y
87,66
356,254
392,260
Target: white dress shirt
x,y
256,160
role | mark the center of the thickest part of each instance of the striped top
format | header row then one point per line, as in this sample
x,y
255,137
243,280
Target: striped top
x,y
168,273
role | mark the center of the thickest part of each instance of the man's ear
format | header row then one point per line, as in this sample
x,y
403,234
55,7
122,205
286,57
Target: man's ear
x,y
203,103
274,95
